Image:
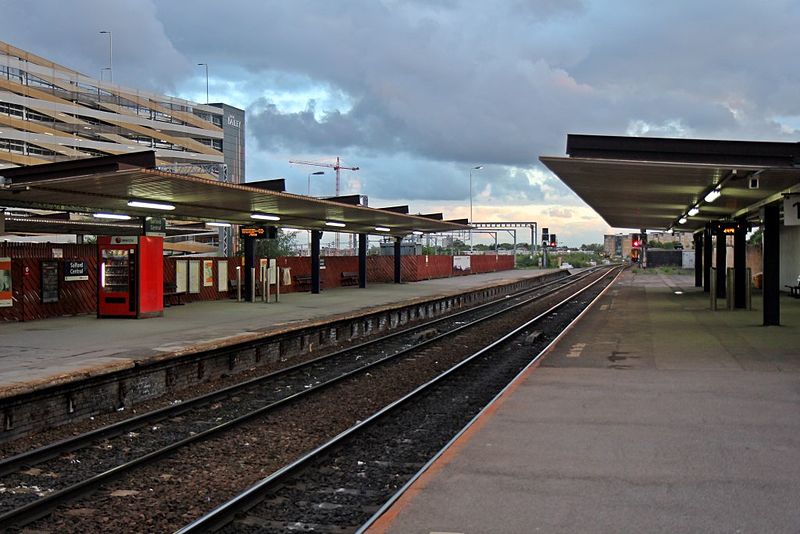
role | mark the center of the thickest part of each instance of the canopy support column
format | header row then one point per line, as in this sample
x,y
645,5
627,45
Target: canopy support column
x,y
707,243
362,260
398,241
698,259
740,264
249,268
316,236
772,272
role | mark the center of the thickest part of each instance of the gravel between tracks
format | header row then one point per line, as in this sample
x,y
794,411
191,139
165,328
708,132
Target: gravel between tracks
x,y
166,495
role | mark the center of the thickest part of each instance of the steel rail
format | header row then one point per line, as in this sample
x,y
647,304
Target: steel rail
x,y
34,510
29,458
399,493
225,513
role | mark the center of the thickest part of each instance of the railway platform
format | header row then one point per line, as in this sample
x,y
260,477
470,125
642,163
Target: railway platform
x,y
39,354
652,414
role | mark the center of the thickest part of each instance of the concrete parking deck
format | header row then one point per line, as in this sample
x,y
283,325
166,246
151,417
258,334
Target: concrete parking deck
x,y
653,414
39,352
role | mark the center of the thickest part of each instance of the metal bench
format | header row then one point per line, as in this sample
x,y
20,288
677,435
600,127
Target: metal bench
x,y
303,282
349,279
794,291
173,297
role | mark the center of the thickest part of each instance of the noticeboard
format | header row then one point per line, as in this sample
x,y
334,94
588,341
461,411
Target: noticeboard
x,y
75,270
5,283
49,287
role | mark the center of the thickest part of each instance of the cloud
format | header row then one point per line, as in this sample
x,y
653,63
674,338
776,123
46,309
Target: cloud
x,y
416,92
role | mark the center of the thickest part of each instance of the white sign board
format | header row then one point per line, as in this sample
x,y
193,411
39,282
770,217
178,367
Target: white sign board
x,y
181,277
791,210
222,275
273,271
194,276
461,264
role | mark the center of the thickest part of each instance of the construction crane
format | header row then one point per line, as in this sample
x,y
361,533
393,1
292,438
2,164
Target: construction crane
x,y
335,166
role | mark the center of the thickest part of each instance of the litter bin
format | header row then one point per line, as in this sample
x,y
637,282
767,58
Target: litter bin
x,y
758,279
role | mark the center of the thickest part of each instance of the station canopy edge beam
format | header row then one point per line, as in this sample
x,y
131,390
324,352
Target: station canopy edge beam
x,y
197,199
653,194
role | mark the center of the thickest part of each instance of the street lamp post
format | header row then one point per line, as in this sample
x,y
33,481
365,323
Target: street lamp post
x,y
110,54
206,66
476,168
309,180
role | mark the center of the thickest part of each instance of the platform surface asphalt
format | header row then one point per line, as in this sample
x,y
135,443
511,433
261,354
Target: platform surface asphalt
x,y
36,353
653,414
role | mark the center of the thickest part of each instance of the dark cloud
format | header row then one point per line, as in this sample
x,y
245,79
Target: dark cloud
x,y
425,89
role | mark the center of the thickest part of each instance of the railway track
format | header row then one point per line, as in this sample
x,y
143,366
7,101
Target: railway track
x,y
93,460
347,483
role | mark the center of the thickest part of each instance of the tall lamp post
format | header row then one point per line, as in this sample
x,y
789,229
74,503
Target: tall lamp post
x,y
110,54
206,66
476,168
309,180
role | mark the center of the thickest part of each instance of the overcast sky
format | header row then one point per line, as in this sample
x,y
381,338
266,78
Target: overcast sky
x,y
417,92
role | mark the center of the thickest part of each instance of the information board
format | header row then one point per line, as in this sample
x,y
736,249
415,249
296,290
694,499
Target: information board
x,y
49,287
252,231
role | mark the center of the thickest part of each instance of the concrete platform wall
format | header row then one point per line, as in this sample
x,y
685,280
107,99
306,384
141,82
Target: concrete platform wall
x,y
103,392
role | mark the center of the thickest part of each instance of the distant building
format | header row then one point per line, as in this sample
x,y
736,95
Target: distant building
x,y
621,245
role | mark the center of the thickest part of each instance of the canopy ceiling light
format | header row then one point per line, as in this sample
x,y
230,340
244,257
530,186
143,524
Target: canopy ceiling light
x,y
416,232
336,224
150,205
692,212
383,229
264,217
116,216
218,224
713,195
682,220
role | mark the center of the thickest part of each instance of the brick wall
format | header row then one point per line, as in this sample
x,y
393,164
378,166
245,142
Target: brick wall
x,y
80,297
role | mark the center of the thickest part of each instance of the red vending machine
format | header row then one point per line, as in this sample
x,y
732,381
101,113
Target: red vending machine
x,y
131,272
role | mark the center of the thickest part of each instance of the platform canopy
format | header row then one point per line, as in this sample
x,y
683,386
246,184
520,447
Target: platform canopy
x,y
107,185
652,183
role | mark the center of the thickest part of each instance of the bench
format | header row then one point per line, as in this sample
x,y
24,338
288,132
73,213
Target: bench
x,y
349,279
303,282
173,297
794,291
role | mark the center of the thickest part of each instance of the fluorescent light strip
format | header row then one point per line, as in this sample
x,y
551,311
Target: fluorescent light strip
x,y
416,232
218,224
713,195
692,212
383,229
117,216
334,223
264,217
682,220
150,205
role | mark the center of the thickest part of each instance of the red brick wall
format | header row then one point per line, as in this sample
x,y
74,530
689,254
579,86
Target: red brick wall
x,y
74,298
79,297
490,264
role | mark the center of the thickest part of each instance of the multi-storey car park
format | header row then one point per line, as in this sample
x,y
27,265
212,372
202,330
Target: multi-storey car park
x,y
51,113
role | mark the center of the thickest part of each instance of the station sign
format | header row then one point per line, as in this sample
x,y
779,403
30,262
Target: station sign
x,y
75,270
155,227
